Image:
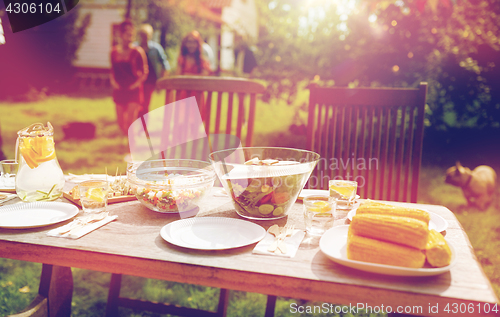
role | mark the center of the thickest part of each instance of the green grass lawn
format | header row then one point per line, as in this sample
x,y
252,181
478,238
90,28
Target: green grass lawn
x,y
19,280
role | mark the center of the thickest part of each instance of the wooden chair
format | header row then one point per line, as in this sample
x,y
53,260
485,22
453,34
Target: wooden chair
x,y
54,294
219,110
371,135
222,115
207,89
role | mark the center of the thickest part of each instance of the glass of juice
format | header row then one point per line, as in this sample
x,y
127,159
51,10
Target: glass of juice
x,y
94,196
344,191
319,213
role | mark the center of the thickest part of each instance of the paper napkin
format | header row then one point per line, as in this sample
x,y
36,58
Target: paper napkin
x,y
220,193
292,244
79,231
4,197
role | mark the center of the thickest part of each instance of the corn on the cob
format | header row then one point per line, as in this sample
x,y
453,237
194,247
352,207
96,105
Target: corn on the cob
x,y
375,251
437,250
402,230
373,207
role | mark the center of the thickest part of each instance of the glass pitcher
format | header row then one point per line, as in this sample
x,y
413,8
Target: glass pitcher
x,y
39,176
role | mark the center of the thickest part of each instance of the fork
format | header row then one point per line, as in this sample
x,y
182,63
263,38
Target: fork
x,y
278,232
82,222
288,232
278,246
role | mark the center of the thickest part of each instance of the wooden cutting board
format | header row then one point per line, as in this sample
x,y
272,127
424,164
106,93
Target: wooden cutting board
x,y
112,200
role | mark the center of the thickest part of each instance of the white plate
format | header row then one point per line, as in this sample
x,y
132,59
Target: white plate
x,y
212,233
37,214
310,192
436,222
333,244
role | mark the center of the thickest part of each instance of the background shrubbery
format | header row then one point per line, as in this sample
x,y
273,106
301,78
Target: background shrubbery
x,y
37,61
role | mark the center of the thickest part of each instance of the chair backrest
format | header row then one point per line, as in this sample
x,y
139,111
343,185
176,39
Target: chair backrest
x,y
371,135
218,116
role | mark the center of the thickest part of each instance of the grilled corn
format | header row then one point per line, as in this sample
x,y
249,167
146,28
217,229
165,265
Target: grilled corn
x,y
437,250
401,230
375,251
373,207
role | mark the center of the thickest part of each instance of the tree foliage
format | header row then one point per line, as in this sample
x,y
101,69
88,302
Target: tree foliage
x,y
171,18
453,45
41,57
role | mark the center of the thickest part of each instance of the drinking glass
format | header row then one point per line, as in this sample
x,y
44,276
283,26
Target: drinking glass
x,y
344,191
94,196
319,213
8,168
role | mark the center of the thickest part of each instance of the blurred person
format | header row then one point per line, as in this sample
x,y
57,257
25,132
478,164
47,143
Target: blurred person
x,y
129,70
209,55
245,61
157,64
191,60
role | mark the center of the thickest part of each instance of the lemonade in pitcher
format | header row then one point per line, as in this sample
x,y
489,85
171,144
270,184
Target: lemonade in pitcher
x,y
39,177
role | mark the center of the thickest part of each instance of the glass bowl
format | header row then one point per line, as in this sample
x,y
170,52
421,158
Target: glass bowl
x,y
170,185
263,182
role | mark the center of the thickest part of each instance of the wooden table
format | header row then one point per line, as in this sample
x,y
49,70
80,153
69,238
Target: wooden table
x,y
132,245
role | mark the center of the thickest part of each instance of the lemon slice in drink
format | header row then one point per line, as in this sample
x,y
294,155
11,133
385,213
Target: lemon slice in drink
x,y
37,150
345,192
96,194
320,207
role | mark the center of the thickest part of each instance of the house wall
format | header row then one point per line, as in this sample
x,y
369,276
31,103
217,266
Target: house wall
x,y
227,48
96,47
241,16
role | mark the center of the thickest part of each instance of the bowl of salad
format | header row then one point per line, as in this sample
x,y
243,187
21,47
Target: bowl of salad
x,y
263,182
170,185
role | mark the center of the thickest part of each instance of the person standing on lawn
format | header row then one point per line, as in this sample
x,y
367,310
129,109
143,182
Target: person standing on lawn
x,y
157,63
208,54
129,70
191,60
192,63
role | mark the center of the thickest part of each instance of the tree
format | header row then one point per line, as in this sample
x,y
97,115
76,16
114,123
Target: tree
x,y
453,45
171,18
40,58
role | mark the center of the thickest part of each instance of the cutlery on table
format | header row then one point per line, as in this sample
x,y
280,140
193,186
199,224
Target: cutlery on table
x,y
288,233
279,245
83,221
5,198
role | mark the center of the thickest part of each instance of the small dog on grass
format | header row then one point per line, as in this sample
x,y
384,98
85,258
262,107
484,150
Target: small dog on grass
x,y
477,185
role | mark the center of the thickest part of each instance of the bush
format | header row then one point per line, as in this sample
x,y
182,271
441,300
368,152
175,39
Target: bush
x,y
40,58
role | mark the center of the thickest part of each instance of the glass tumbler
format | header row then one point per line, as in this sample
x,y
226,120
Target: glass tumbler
x,y
8,169
94,196
319,213
344,191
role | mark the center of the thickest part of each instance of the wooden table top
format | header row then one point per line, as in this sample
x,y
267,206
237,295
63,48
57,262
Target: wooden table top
x,y
132,245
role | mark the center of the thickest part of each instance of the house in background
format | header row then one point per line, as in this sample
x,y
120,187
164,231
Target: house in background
x,y
2,36
234,18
